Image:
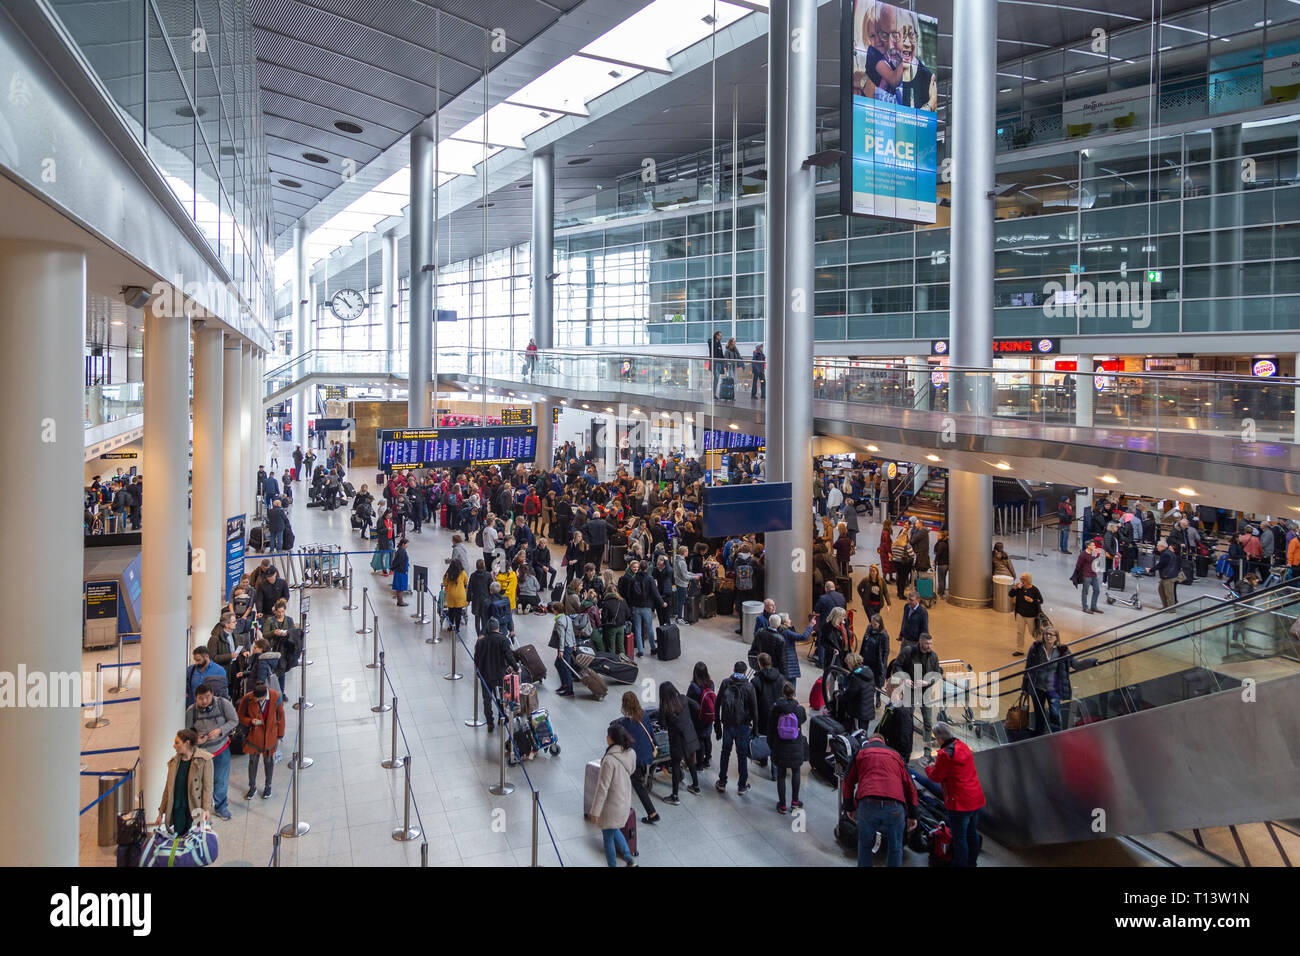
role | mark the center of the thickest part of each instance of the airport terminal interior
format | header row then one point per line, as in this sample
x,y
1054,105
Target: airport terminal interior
x,y
586,433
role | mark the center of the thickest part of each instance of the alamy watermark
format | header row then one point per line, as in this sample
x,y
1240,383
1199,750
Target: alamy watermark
x,y
1085,299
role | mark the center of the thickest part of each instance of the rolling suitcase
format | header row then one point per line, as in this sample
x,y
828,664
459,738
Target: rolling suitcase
x,y
629,642
691,608
591,777
529,657
708,605
726,601
255,539
1188,569
820,730
924,585
726,389
348,490
1202,565
591,680
618,557
669,641
629,831
1115,580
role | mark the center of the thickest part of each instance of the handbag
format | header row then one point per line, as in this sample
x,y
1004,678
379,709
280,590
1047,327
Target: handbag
x,y
238,737
1017,718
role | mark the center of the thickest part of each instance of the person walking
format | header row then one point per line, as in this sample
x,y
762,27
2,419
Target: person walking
x,y
1064,519
734,724
941,564
873,592
678,715
1085,575
612,802
953,775
786,740
212,718
564,639
493,656
1028,602
187,795
904,556
881,792
634,721
759,360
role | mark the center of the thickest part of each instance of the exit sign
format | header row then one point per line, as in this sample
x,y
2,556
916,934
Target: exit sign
x,y
1154,275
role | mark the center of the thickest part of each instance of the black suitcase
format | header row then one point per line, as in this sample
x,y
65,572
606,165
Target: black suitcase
x,y
1188,567
668,641
726,601
691,606
288,539
618,557
726,389
1202,565
348,490
820,730
255,539
615,667
1115,580
708,605
529,657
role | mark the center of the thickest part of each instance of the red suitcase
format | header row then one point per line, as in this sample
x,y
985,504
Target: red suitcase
x,y
629,642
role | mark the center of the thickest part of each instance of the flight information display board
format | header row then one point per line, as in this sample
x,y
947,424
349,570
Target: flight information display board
x,y
456,447
737,441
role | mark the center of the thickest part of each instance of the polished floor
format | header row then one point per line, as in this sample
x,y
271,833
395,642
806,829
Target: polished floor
x,y
353,804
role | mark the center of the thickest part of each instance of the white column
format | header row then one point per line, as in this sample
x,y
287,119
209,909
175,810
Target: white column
x,y
209,530
164,645
388,302
41,376
918,377
248,460
231,455
543,417
1085,392
301,303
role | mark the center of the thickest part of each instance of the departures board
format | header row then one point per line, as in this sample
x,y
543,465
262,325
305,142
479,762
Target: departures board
x,y
456,447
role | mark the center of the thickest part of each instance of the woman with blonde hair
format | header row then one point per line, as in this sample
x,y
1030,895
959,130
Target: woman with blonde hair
x,y
833,642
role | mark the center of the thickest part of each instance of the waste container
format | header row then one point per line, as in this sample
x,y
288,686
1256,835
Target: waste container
x,y
749,612
618,557
118,802
1002,592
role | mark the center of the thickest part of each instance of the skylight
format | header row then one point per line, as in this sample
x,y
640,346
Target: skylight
x,y
571,84
655,32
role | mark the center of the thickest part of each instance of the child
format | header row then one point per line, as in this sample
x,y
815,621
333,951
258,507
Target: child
x,y
401,563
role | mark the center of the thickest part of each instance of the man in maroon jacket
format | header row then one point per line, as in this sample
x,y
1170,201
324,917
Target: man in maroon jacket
x,y
885,796
953,775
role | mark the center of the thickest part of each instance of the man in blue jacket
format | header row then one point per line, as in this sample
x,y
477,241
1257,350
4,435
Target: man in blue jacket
x,y
275,524
271,488
1167,569
916,619
203,668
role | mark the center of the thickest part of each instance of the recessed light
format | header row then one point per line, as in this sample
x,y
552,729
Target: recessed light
x,y
585,405
1110,479
931,457
232,150
872,448
1002,466
687,418
564,401
636,411
117,322
616,74
734,427
291,183
578,161
524,186
1190,492
316,158
608,409
344,126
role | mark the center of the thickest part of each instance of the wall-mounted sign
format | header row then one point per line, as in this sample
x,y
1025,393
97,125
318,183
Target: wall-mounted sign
x,y
101,601
891,470
513,415
1264,368
335,424
119,455
1023,346
234,552
1063,366
888,99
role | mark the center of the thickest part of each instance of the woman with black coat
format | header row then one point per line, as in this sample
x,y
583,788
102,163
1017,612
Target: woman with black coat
x,y
875,649
678,715
480,592
1047,678
857,699
701,682
788,751
575,556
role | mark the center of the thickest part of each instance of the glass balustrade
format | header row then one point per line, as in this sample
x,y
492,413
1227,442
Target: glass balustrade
x,y
107,403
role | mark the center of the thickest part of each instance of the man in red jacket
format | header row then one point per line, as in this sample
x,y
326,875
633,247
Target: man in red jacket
x,y
878,782
953,775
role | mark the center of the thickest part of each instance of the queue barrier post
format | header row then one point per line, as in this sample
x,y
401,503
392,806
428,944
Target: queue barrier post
x,y
394,762
99,720
537,803
381,707
122,683
350,606
295,827
303,703
454,674
365,597
419,617
301,761
374,645
406,832
502,788
275,849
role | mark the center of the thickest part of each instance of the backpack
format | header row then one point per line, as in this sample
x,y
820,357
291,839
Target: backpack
x,y
787,726
744,576
731,708
581,624
708,705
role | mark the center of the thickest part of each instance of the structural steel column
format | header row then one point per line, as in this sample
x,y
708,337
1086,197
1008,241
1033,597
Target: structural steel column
x,y
543,416
419,413
543,249
208,533
164,644
973,109
248,456
231,406
1085,391
301,303
388,301
41,376
792,201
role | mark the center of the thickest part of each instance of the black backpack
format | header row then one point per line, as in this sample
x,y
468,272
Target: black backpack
x,y
731,705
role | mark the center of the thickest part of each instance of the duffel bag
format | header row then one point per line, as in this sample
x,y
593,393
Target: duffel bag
x,y
198,847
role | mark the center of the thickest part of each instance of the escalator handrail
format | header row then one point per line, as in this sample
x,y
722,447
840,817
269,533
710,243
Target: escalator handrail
x,y
1024,668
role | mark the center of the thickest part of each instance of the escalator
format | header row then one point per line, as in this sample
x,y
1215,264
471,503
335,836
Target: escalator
x,y
1182,720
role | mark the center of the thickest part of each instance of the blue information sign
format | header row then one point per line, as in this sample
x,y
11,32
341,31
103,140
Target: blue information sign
x,y
234,552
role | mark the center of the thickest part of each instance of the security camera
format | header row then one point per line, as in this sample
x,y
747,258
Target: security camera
x,y
136,296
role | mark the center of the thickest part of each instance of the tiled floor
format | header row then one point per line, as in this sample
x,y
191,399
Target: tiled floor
x,y
353,805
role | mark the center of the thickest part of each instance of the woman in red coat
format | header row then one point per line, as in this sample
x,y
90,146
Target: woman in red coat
x,y
953,770
886,550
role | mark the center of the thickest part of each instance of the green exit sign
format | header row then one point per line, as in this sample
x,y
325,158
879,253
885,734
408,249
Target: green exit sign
x,y
1154,275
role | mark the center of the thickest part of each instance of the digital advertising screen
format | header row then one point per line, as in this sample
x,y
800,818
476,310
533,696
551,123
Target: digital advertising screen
x,y
889,100
456,447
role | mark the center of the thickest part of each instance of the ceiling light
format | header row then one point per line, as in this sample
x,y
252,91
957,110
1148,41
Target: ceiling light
x,y
484,205
608,409
578,161
931,457
316,158
585,405
734,427
117,322
564,401
1189,492
687,418
344,126
636,411
189,113
872,448
1002,466
1110,479
291,183
615,74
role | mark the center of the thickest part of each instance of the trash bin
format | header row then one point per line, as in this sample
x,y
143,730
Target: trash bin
x,y
1002,592
749,612
618,557
118,802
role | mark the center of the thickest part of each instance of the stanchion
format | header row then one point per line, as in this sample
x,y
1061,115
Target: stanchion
x,y
501,788
1041,552
455,675
304,612
365,596
424,855
381,707
275,849
300,761
99,720
407,832
419,617
1027,556
394,762
374,646
296,827
474,719
350,606
537,802
302,703
121,681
